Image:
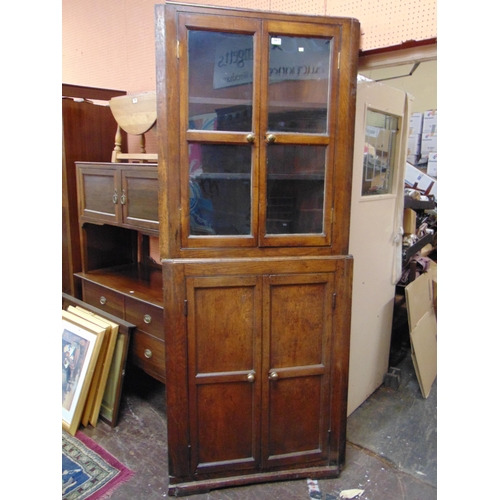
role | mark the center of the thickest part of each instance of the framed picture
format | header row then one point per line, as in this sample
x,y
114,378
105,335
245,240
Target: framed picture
x,y
111,400
100,379
81,343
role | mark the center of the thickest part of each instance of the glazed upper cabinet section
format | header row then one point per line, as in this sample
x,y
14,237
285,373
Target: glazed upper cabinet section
x,y
260,152
120,195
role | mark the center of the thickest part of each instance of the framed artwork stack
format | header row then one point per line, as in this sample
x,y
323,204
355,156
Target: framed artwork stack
x,y
88,348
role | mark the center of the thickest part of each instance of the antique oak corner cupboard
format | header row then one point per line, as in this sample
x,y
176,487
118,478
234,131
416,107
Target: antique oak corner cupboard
x,y
255,136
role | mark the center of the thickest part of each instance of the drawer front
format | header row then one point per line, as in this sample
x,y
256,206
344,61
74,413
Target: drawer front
x,y
147,317
103,298
148,353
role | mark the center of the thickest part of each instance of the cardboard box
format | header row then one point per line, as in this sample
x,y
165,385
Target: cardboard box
x,y
428,145
432,165
423,181
413,146
413,159
416,123
430,122
409,221
423,330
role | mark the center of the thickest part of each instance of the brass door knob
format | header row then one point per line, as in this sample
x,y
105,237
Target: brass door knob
x,y
250,377
270,138
250,138
148,353
273,376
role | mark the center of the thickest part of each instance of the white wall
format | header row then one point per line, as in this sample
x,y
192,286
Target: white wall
x,y
422,84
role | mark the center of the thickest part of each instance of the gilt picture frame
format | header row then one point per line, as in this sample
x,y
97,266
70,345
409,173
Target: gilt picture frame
x,y
81,343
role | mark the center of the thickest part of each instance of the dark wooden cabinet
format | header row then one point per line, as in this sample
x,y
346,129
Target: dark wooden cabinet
x,y
132,292
88,134
255,137
258,384
122,194
118,214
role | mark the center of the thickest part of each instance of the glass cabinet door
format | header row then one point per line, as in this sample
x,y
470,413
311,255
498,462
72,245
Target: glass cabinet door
x,y
218,132
256,126
299,88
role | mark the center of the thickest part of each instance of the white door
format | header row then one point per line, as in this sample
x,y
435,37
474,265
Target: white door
x,y
382,118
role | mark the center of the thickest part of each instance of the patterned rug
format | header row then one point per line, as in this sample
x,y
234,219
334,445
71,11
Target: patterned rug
x,y
88,471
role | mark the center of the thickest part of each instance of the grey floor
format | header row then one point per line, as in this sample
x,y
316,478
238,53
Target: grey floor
x,y
391,450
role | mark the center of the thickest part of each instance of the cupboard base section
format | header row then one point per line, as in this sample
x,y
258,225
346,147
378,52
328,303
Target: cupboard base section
x,y
186,488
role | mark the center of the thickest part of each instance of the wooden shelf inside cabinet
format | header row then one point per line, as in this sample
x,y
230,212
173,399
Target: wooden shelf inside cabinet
x,y
133,293
278,177
141,282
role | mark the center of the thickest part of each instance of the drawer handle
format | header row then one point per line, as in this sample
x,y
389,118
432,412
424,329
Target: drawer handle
x,y
147,318
148,353
103,300
115,197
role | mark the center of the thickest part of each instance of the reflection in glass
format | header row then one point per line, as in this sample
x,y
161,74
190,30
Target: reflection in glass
x,y
299,71
225,62
219,189
379,154
295,189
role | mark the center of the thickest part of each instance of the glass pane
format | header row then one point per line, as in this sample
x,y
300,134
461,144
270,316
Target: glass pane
x,y
299,72
219,189
220,67
295,189
379,154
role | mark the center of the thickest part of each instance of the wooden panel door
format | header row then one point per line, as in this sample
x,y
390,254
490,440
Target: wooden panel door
x,y
296,368
139,197
224,345
98,194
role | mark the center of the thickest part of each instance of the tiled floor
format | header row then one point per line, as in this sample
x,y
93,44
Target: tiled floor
x,y
391,449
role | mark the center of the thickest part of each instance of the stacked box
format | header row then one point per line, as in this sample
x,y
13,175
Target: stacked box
x,y
432,165
430,122
428,145
429,141
416,123
422,140
413,148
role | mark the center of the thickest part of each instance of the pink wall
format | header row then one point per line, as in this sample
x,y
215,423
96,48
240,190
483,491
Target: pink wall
x,y
111,43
